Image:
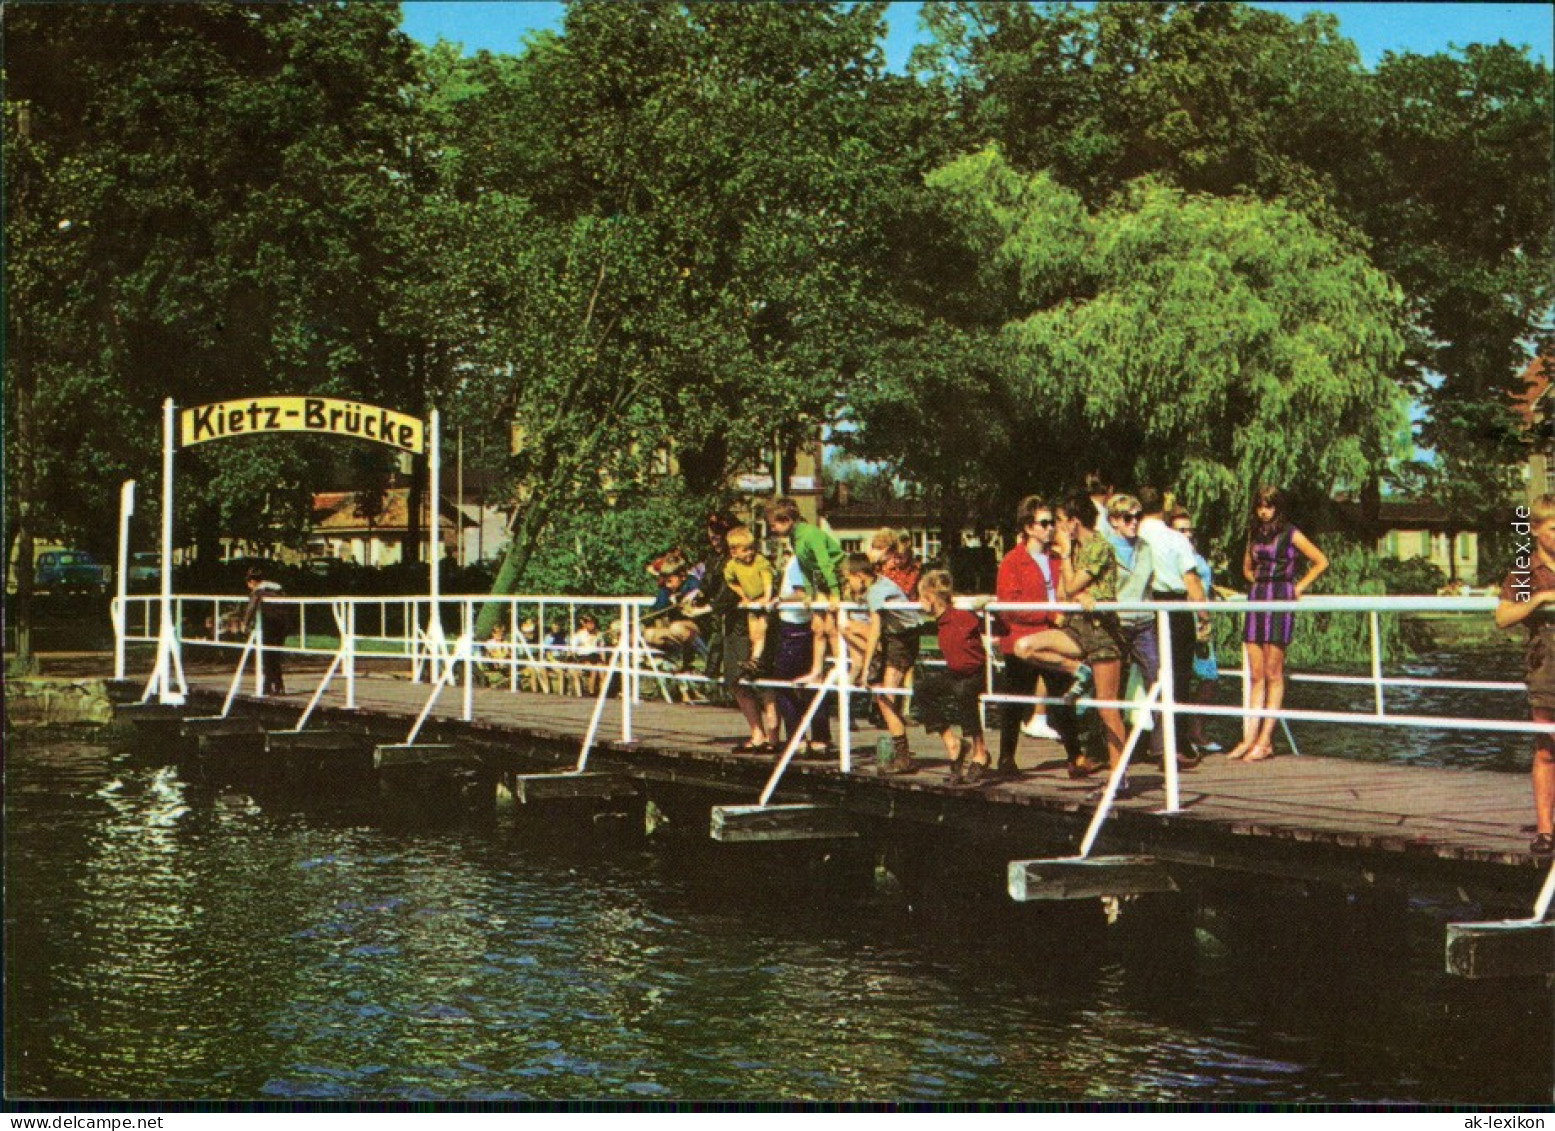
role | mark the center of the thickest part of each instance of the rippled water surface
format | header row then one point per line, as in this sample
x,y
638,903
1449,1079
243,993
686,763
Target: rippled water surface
x,y
167,940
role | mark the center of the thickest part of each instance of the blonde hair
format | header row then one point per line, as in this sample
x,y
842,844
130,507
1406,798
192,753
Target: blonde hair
x,y
739,536
1121,505
937,583
885,538
1543,508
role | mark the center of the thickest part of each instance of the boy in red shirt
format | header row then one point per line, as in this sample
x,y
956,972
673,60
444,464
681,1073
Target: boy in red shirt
x,y
952,697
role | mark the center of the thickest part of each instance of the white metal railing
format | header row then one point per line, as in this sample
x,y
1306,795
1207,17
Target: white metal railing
x,y
540,656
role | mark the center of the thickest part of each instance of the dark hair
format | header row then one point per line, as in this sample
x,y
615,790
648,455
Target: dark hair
x,y
1081,506
1267,495
1026,512
721,522
1095,484
858,563
255,573
1150,499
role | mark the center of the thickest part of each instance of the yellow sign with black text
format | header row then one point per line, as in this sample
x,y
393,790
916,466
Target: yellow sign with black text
x,y
259,415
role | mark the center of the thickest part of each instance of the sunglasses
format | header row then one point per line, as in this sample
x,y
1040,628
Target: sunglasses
x,y
1131,516
1043,522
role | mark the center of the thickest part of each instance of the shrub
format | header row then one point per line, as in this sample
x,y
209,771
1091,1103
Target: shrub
x,y
1416,575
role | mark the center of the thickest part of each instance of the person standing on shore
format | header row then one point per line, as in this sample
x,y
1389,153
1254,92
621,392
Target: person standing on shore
x,y
1526,595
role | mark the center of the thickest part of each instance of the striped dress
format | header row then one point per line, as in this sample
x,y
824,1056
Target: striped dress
x,y
1274,570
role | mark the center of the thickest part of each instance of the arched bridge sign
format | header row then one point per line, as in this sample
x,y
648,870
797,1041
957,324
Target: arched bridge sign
x,y
322,415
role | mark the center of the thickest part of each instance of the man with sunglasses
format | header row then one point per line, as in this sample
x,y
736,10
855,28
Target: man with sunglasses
x,y
1136,562
1030,573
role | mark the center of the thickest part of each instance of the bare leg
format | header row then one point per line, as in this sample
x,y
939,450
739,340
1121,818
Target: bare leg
x,y
1544,775
1050,648
890,705
1273,696
1108,675
746,702
1255,696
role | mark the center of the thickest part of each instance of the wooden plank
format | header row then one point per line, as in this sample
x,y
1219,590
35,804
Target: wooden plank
x,y
752,824
1087,877
533,789
217,727
152,714
1501,949
443,756
320,741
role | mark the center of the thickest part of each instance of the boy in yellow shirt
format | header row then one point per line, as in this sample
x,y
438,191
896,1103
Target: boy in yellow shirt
x,y
750,574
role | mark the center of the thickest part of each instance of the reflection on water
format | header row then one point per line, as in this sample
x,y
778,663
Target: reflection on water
x,y
171,941
1428,747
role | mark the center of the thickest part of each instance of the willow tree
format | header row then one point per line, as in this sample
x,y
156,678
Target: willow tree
x,y
1203,343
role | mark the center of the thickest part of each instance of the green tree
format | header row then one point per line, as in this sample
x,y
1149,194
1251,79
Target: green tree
x,y
1210,343
226,165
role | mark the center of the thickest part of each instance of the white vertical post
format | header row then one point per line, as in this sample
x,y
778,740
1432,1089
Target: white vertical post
x,y
1168,711
435,639
628,670
434,527
467,630
126,508
350,650
1376,661
844,707
167,641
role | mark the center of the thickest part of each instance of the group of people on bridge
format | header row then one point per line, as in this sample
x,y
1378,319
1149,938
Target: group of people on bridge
x,y
767,629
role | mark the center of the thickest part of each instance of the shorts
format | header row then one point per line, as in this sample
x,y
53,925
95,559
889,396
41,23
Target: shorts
x,y
737,649
1541,670
1099,636
943,699
897,650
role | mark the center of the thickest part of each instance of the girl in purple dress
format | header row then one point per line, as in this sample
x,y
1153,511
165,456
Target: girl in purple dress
x,y
1274,546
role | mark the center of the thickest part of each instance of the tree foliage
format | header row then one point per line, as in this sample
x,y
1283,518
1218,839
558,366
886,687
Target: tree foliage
x,y
1211,343
1199,244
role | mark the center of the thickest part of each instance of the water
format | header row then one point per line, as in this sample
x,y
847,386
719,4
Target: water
x,y
168,940
1425,747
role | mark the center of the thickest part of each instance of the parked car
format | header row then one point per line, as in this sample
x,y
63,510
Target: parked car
x,y
144,571
70,571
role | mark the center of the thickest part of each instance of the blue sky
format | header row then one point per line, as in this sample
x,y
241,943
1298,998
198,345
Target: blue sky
x,y
500,25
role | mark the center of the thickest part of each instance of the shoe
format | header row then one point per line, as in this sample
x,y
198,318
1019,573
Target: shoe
x,y
1082,685
750,747
1037,727
1209,747
1083,767
1004,771
903,763
819,752
1543,845
1260,753
1188,758
975,773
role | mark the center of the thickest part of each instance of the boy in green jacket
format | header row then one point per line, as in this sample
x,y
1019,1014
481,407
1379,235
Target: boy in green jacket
x,y
820,558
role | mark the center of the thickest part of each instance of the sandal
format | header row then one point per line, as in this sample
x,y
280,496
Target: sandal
x,y
1543,845
1260,753
752,747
